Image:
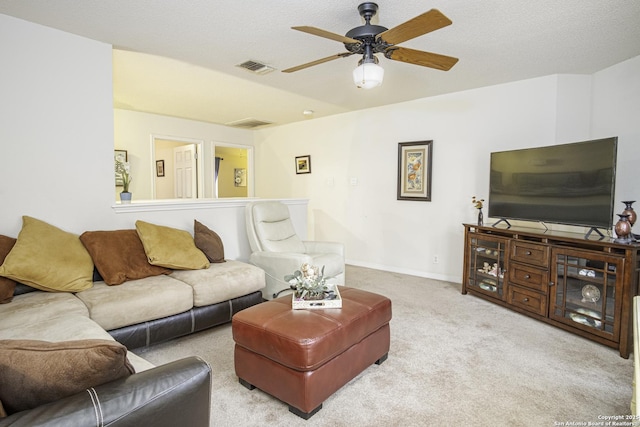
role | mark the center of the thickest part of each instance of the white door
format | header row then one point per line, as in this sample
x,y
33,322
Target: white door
x,y
186,182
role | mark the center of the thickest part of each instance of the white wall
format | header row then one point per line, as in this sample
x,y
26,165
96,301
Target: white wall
x,y
405,236
57,142
133,132
57,138
56,127
616,112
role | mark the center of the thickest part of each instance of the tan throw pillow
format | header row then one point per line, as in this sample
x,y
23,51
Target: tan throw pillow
x,y
7,286
170,247
208,242
48,258
119,256
37,372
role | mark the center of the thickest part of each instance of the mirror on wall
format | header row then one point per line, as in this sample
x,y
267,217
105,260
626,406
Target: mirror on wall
x,y
170,168
232,171
176,168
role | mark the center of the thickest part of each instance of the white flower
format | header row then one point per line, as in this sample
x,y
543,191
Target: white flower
x,y
123,169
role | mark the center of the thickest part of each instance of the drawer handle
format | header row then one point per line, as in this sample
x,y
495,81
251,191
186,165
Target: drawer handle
x,y
527,253
551,284
525,300
526,276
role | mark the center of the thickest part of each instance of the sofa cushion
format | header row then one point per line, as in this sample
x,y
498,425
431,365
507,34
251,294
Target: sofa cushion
x,y
37,372
208,242
67,328
35,309
7,286
48,258
170,247
119,256
221,282
136,301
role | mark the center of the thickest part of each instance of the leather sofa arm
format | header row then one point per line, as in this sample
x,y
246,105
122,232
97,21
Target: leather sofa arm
x,y
177,393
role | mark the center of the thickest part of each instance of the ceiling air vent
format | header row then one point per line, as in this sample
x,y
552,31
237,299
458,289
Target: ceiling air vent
x,y
249,123
256,67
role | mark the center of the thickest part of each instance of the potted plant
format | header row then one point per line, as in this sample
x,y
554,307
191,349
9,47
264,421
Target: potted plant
x,y
123,170
309,283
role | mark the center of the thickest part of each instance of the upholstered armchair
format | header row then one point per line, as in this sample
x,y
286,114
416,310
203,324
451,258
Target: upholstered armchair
x,y
277,249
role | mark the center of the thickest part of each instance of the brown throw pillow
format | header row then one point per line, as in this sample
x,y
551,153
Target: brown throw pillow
x,y
208,242
119,256
37,372
7,286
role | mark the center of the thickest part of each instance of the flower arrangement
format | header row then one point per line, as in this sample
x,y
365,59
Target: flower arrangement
x,y
122,169
477,203
309,283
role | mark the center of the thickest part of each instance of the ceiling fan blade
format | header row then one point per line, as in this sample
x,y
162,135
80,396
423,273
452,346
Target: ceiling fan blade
x,y
326,34
421,24
316,62
419,57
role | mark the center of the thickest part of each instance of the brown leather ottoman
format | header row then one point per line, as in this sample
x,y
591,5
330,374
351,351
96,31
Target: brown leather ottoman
x,y
303,356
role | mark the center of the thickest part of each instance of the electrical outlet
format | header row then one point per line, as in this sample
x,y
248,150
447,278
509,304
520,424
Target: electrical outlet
x,y
435,259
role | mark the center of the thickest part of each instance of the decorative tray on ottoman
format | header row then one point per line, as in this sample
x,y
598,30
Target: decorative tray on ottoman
x,y
297,303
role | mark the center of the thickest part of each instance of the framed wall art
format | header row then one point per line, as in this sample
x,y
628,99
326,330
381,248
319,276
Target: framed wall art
x,y
240,177
303,164
414,170
159,168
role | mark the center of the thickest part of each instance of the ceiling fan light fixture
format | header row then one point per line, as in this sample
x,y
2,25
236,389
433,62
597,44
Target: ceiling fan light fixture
x,y
368,74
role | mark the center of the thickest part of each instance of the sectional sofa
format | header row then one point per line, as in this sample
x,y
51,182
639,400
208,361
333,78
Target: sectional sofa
x,y
41,326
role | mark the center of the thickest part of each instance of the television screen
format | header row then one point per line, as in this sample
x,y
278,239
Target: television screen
x,y
565,184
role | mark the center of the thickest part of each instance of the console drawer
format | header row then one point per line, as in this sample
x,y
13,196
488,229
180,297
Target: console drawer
x,y
527,299
530,253
530,277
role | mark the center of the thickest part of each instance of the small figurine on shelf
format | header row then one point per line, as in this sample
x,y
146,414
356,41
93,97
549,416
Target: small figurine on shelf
x,y
486,268
477,203
495,271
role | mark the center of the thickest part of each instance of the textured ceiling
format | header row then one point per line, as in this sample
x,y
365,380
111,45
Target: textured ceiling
x,y
180,58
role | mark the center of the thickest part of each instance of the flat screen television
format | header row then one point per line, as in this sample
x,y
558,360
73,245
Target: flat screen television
x,y
570,184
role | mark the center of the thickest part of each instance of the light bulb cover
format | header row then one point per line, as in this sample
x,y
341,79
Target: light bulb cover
x,y
368,75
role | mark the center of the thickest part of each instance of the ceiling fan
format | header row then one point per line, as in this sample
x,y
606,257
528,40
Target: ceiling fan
x,y
369,39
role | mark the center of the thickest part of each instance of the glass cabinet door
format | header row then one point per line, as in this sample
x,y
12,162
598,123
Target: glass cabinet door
x,y
487,266
586,290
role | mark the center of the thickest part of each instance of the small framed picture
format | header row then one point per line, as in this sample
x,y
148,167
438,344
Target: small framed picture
x,y
303,164
120,155
414,170
159,168
240,177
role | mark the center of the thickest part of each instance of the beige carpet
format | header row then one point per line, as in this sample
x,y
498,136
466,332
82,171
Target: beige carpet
x,y
455,360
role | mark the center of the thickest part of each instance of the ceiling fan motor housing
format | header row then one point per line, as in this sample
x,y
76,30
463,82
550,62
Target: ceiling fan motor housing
x,y
368,10
366,33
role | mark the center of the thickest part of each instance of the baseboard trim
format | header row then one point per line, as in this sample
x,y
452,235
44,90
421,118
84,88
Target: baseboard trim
x,y
410,272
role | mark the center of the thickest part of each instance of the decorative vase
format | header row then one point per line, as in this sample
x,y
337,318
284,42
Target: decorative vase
x,y
480,217
623,229
125,197
628,210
